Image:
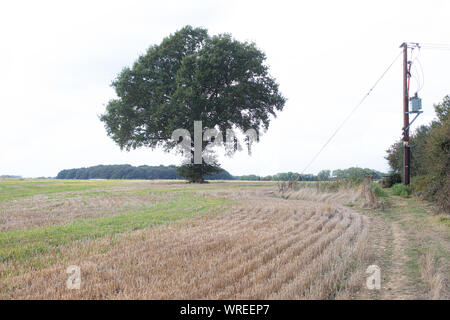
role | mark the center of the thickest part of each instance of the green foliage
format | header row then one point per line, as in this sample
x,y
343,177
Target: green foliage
x,y
419,183
282,176
418,140
308,177
250,177
286,176
391,179
404,194
380,193
191,76
430,160
357,174
400,189
197,172
442,109
127,171
395,157
324,175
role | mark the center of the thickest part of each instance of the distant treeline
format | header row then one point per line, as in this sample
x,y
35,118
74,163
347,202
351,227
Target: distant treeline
x,y
126,171
324,175
5,176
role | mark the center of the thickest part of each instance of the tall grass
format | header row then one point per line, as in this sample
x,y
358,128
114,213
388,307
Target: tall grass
x,y
362,192
400,189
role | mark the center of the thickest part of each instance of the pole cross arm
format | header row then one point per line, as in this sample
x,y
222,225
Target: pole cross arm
x,y
409,125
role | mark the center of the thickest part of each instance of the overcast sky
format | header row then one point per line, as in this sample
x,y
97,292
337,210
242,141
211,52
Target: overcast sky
x,y
57,61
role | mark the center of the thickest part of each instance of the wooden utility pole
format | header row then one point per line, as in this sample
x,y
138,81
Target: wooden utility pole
x,y
406,146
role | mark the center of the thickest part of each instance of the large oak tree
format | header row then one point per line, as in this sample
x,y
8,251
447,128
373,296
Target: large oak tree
x,y
191,76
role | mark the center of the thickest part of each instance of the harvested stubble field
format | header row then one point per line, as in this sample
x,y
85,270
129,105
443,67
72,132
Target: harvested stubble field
x,y
171,240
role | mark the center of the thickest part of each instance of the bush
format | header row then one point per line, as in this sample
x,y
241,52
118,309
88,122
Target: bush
x,y
404,194
430,161
419,184
400,189
380,193
391,179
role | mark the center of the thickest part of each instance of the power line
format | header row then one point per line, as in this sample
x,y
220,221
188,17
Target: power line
x,y
422,81
435,46
351,113
420,78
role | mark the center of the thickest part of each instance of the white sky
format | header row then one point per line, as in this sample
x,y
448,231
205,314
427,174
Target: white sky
x,y
57,60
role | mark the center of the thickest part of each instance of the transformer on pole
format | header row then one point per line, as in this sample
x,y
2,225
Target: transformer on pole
x,y
416,106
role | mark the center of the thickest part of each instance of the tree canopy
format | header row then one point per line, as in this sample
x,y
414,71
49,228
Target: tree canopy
x,y
189,77
126,171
